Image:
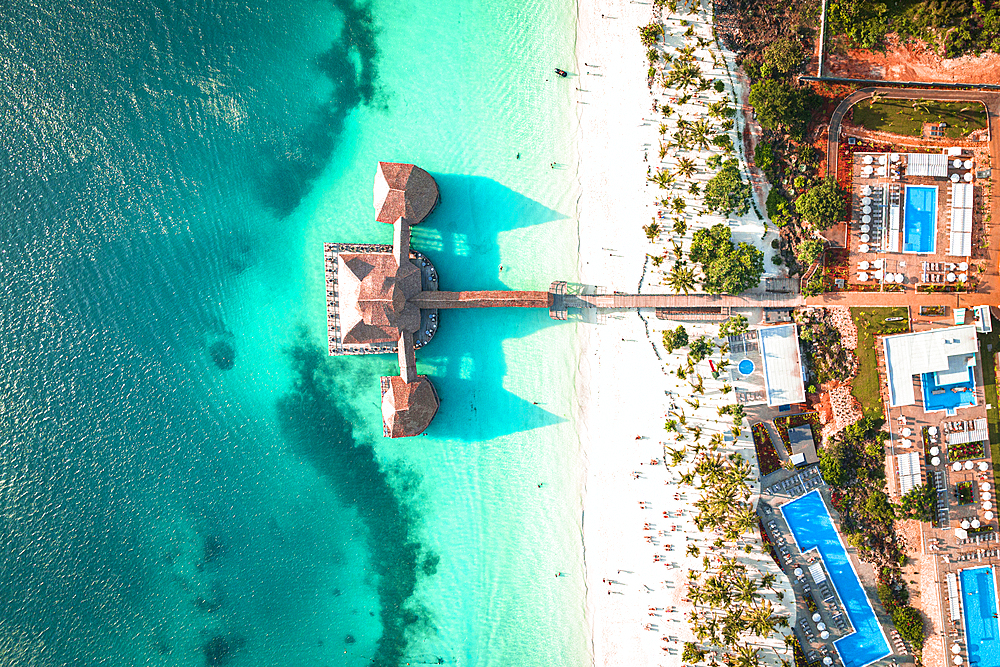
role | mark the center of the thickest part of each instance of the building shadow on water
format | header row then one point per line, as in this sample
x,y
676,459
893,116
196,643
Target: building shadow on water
x,y
466,359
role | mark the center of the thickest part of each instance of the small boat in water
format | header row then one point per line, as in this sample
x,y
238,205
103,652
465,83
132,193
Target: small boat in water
x,y
561,72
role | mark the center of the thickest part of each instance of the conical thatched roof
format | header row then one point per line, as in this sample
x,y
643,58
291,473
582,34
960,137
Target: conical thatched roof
x,y
374,290
407,408
403,191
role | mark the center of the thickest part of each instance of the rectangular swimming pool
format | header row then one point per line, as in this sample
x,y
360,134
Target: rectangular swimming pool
x,y
812,526
920,219
979,609
948,396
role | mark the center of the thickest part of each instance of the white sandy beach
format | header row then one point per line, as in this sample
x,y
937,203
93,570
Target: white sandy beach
x,y
623,388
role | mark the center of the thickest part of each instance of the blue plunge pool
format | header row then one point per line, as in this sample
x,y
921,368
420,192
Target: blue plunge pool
x,y
948,396
979,609
812,527
920,219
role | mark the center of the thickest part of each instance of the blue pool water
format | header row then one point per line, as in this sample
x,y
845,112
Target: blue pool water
x,y
812,526
979,608
746,367
920,219
949,400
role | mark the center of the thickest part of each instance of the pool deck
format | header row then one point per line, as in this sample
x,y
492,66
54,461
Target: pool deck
x,y
777,489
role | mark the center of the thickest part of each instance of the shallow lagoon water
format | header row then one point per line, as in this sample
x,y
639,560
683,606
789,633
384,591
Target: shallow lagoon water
x,y
187,478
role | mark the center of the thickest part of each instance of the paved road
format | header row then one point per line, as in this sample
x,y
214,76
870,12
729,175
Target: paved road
x,y
988,291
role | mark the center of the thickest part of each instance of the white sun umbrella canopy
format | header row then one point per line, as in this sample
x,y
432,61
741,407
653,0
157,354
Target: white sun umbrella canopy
x,y
862,277
865,219
956,466
827,661
987,495
935,450
987,505
936,461
955,648
985,486
984,466
968,465
816,617
975,523
821,626
988,515
966,524
798,572
866,201
906,431
957,660
824,635
961,533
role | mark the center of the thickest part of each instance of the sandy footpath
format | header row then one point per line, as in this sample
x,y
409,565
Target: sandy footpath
x,y
636,558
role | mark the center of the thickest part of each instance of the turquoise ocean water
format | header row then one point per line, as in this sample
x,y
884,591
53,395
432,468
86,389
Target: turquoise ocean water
x,y
186,478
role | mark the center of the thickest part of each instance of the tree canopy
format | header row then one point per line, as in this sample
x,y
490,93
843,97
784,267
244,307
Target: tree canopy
x,y
919,503
777,104
675,338
781,57
734,326
809,251
726,192
822,205
701,348
728,268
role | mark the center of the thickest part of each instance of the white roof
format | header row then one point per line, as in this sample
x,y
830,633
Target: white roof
x,y
908,470
816,572
912,354
927,164
779,348
960,237
953,608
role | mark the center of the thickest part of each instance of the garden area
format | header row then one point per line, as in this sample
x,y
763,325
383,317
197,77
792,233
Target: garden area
x,y
767,456
964,492
872,322
782,424
907,117
967,450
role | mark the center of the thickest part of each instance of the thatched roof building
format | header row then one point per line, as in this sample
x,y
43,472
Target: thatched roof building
x,y
374,291
403,191
407,407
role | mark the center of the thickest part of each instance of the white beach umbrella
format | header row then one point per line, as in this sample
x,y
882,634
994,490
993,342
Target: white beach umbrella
x,y
824,635
878,263
863,265
866,201
956,466
798,572
969,465
958,660
987,505
987,495
955,648
968,177
965,524
865,228
867,190
968,164
975,523
821,626
932,430
863,247
816,617
955,178
878,275
957,164
963,266
900,278
984,466
827,661
988,515
866,209
882,159
985,486
865,238
936,461
961,533
951,277
862,277
935,450
962,277
906,431
867,159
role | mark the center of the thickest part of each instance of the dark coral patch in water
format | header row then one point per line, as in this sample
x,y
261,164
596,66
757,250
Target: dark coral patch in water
x,y
221,649
349,639
223,354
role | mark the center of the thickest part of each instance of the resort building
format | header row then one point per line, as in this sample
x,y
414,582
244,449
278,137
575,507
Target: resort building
x,y
945,361
768,366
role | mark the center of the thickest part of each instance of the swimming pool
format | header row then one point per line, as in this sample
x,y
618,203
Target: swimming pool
x,y
812,526
979,609
746,366
948,396
920,219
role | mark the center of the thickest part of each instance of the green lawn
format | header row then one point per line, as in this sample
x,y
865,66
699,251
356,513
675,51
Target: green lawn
x,y
990,389
871,321
901,117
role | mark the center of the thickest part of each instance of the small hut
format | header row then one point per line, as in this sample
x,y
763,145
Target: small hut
x,y
407,407
403,191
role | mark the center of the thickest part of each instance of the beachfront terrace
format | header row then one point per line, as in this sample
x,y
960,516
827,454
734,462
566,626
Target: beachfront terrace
x,y
911,221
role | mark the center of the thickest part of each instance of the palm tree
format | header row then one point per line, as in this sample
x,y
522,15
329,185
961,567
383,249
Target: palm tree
x,y
760,620
652,230
681,278
662,178
678,205
663,150
693,550
767,581
700,131
677,456
685,167
746,656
